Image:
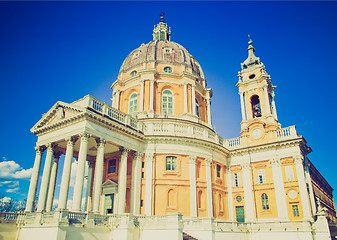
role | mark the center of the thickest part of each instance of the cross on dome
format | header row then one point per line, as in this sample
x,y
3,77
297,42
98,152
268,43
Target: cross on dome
x,y
161,32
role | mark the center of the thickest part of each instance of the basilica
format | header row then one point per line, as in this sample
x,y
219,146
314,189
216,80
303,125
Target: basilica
x,y
158,169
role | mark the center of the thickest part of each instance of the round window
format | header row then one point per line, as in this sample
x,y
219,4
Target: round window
x,y
238,198
168,69
251,76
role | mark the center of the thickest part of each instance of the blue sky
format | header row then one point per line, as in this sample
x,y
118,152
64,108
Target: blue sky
x,y
51,51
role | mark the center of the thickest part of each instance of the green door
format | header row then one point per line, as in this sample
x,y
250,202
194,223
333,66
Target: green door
x,y
109,203
240,214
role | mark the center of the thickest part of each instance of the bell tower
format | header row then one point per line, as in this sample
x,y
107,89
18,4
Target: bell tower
x,y
259,117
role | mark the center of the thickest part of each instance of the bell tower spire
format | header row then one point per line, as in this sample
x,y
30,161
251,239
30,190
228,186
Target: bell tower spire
x,y
256,91
161,32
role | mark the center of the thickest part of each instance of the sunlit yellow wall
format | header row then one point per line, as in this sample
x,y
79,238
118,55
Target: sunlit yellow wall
x,y
238,191
292,185
267,188
171,188
201,187
220,203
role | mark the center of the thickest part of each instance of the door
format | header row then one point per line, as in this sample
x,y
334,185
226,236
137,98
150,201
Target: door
x,y
240,214
109,203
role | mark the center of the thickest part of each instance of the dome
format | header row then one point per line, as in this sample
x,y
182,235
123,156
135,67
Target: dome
x,y
162,51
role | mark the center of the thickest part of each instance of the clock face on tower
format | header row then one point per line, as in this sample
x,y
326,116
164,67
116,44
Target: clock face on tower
x,y
257,133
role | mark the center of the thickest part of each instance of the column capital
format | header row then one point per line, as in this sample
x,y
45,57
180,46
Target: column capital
x,y
84,136
100,142
228,170
275,162
245,166
71,140
298,159
192,159
142,81
152,80
39,149
208,162
124,151
149,157
50,146
137,154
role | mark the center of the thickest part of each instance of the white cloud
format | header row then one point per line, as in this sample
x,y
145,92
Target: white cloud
x,y
13,190
12,170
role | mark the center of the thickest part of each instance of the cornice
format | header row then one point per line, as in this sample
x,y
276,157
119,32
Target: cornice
x,y
187,140
268,146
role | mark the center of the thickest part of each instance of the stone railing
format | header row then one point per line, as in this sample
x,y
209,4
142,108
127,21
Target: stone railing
x,y
106,110
281,134
286,133
182,129
8,217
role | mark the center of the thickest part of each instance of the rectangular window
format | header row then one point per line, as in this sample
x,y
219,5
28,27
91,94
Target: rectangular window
x,y
236,179
141,203
218,171
289,173
142,174
295,211
171,163
112,166
143,163
261,176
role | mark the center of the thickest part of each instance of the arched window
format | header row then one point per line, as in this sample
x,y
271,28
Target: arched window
x,y
171,163
133,73
197,107
256,107
133,103
168,69
265,202
167,102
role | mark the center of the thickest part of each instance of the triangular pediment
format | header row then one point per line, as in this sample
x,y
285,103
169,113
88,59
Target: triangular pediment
x,y
60,112
109,183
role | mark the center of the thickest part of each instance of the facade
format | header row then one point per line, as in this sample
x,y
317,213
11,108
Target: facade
x,y
157,168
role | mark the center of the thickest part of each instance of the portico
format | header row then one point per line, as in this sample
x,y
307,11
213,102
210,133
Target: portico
x,y
87,142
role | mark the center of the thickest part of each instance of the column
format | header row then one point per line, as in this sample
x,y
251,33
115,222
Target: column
x,y
122,174
148,183
193,187
209,118
193,99
66,173
151,94
243,110
266,96
136,182
311,190
230,194
52,183
248,192
45,178
280,194
141,96
303,188
34,179
185,97
117,99
274,108
209,188
78,188
99,167
88,204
